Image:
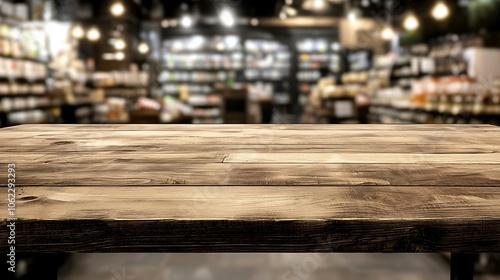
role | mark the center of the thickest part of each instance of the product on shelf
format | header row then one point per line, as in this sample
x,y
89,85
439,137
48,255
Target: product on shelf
x,y
205,100
312,76
451,99
173,110
32,116
117,110
131,78
355,77
313,45
359,60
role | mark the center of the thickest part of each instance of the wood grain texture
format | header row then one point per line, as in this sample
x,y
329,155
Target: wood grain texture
x,y
105,172
361,158
258,219
217,127
254,188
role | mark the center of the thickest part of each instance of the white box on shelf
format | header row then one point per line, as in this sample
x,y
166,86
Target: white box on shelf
x,y
21,11
483,64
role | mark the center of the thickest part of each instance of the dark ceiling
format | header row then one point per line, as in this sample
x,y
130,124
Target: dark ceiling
x,y
478,15
246,8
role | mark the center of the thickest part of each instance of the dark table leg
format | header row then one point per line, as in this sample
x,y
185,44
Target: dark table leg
x,y
462,266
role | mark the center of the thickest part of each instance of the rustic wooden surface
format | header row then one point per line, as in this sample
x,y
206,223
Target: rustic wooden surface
x,y
254,188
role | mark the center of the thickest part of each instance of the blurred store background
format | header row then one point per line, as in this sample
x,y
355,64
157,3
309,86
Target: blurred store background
x,y
236,61
258,61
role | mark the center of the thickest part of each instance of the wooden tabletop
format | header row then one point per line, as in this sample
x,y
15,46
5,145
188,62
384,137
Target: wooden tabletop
x,y
253,188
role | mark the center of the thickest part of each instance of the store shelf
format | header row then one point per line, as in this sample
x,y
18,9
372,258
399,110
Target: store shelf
x,y
30,109
393,114
206,105
24,94
37,60
23,80
214,69
205,51
191,82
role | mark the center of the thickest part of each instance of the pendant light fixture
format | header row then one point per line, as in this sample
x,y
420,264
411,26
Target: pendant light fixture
x,y
411,22
387,33
440,11
117,9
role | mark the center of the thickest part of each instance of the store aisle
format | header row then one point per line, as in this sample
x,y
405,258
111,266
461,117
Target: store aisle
x,y
258,267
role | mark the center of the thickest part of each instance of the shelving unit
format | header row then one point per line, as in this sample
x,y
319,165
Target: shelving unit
x,y
206,108
196,66
443,82
198,63
120,90
192,67
390,115
24,97
312,55
268,65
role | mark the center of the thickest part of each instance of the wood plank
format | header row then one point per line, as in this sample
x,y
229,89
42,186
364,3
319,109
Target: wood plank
x,y
244,133
257,202
249,131
251,157
366,138
237,127
257,219
362,158
165,148
97,137
107,157
145,139
147,174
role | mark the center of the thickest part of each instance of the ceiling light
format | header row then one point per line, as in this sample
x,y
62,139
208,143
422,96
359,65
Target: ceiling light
x,y
117,9
119,44
186,21
387,33
77,32
440,11
314,4
93,34
143,48
254,22
411,23
226,17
